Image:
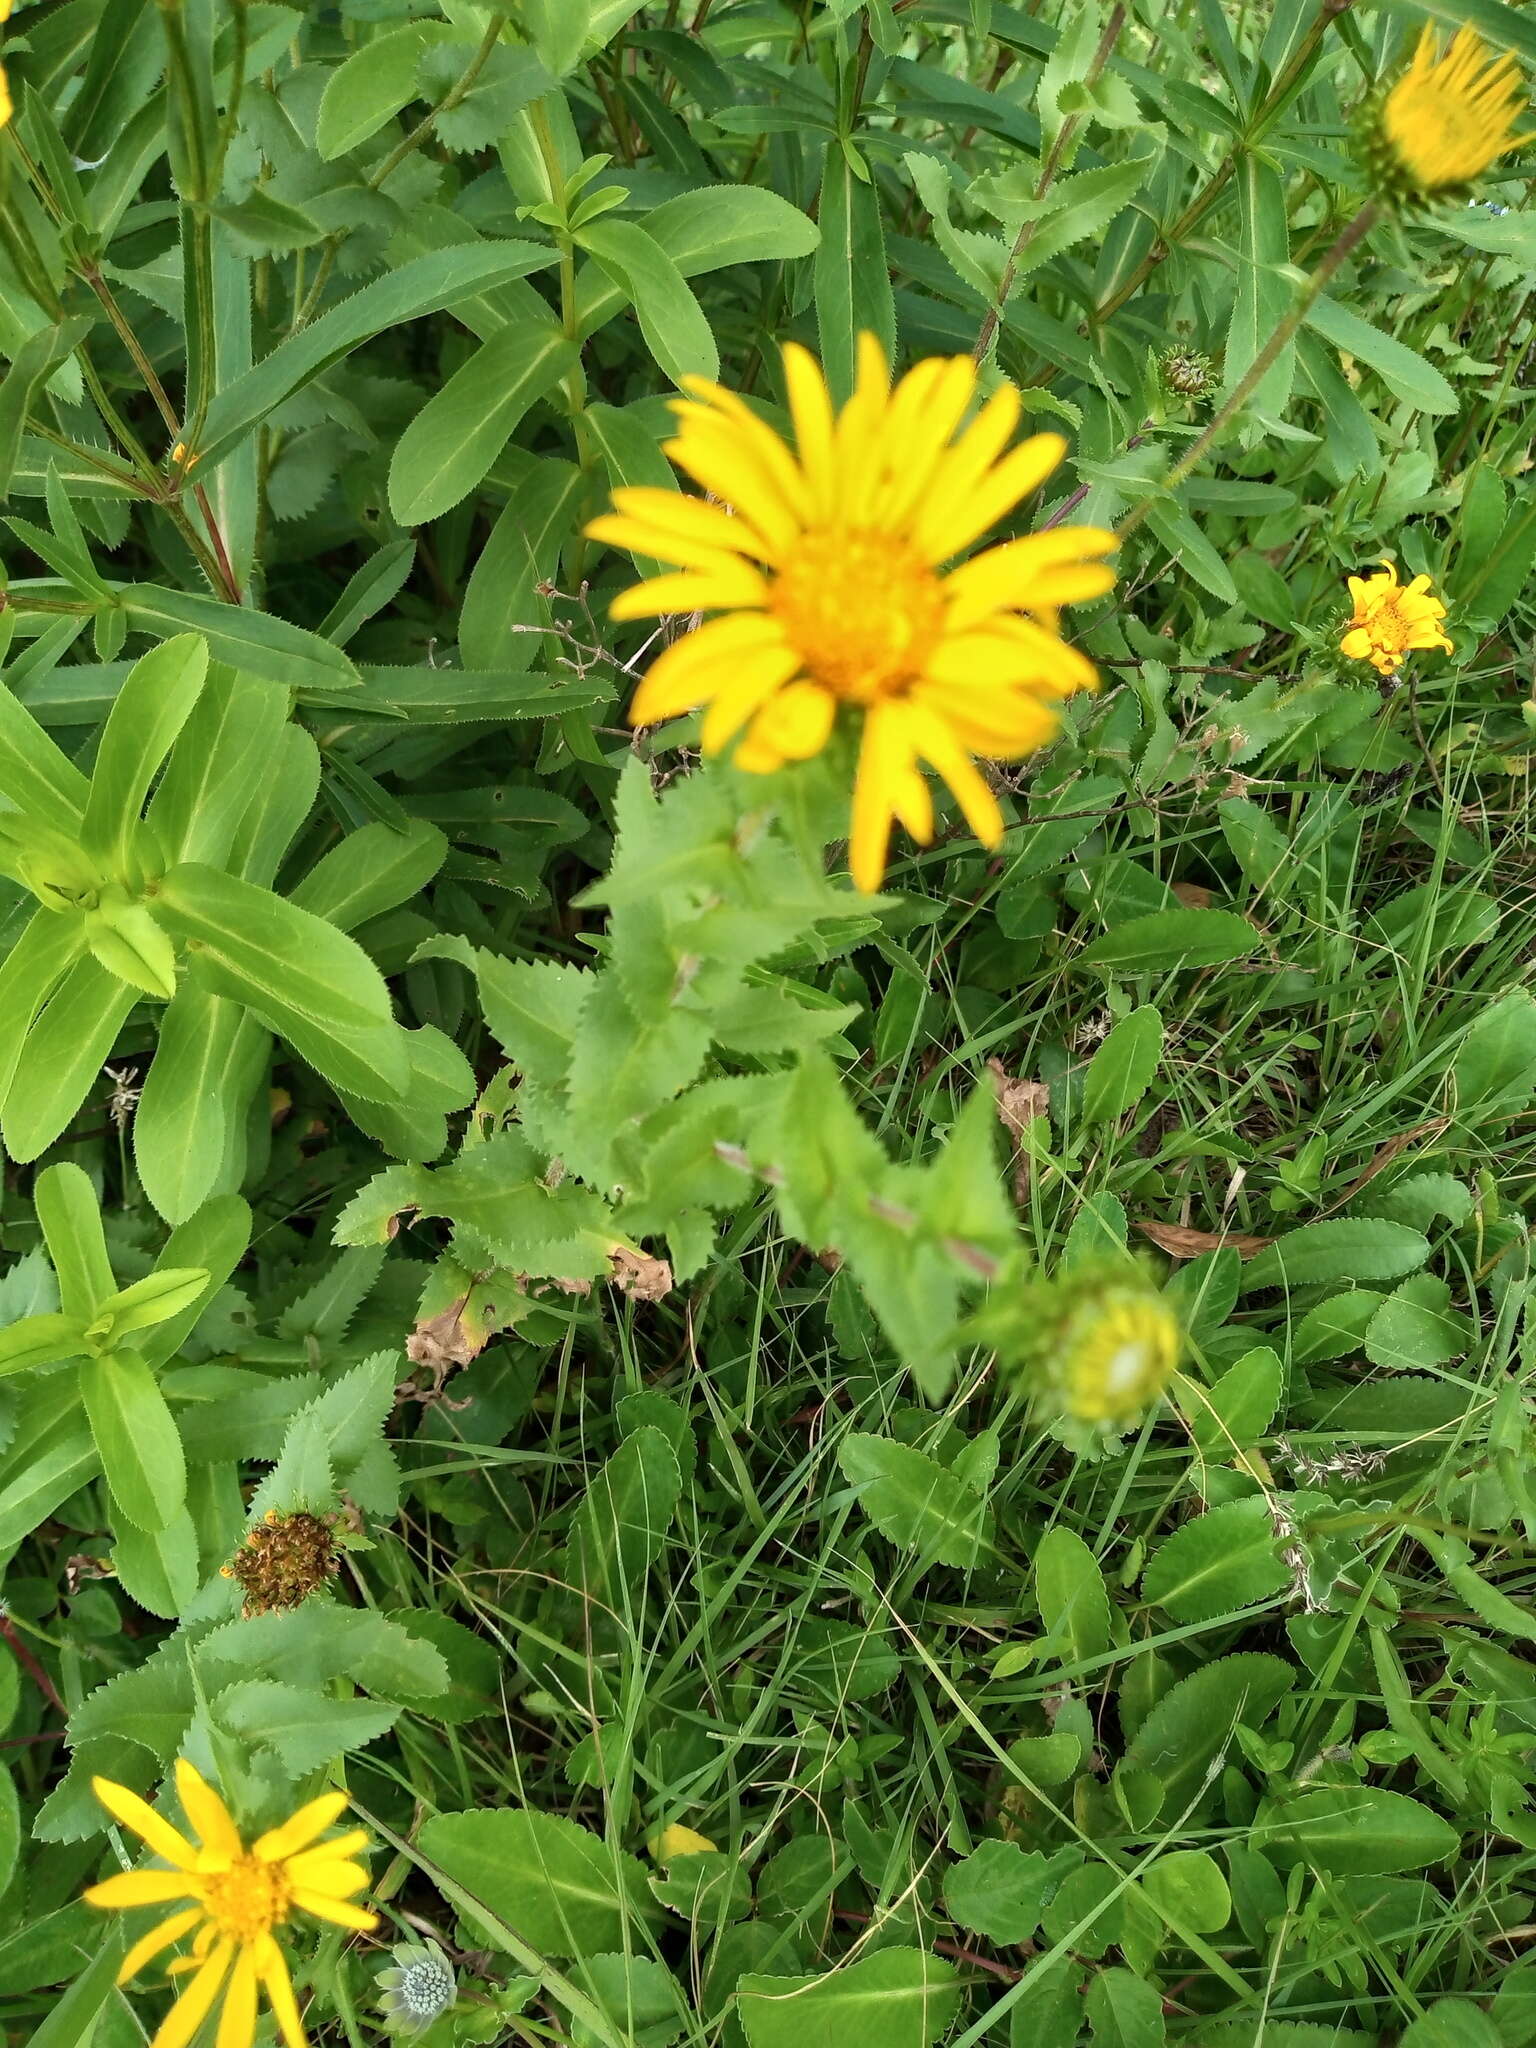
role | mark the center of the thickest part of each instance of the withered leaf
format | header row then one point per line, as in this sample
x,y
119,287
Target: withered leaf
x,y
1019,1104
638,1275
1179,1242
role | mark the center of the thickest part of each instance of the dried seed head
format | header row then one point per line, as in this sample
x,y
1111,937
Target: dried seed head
x,y
283,1560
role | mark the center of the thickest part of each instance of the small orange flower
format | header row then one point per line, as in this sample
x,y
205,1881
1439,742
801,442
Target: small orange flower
x,y
1392,619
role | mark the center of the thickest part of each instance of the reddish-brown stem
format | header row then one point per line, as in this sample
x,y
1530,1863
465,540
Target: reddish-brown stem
x,y
29,1663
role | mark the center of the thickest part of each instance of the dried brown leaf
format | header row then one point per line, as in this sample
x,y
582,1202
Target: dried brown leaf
x,y
1019,1104
1180,1242
638,1275
444,1341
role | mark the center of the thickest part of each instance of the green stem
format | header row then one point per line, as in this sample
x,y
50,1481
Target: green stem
x,y
549,150
1221,177
1052,164
92,457
131,343
402,150
202,351
1256,371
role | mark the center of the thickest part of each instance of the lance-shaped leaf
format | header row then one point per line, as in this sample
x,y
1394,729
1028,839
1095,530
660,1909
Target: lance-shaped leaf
x,y
215,1240
136,1438
304,979
154,1299
47,949
70,1217
151,708
126,940
447,449
62,1058
36,775
211,1056
41,1340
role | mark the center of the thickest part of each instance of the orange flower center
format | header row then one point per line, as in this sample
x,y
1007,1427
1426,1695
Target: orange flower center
x,y
861,608
1383,618
247,1900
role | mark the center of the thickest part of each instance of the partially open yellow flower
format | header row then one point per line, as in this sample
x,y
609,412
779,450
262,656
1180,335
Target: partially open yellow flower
x,y
1117,1352
827,563
237,1896
1450,115
1392,619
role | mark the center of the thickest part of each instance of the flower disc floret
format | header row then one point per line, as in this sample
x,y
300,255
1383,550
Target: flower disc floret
x,y
832,568
230,1896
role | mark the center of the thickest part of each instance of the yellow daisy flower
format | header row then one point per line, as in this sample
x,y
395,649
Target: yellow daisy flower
x,y
237,1896
827,565
1392,619
1450,115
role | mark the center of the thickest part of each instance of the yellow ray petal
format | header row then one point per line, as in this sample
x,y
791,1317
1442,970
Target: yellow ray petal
x,y
301,1828
712,526
754,679
731,468
975,451
988,657
135,1813
885,764
999,724
338,1880
919,446
336,1910
639,538
195,2003
1356,643
142,1888
858,440
1034,570
693,669
727,584
950,522
936,743
148,1946
237,2022
279,1989
329,1852
810,408
796,722
768,449
207,1812
912,801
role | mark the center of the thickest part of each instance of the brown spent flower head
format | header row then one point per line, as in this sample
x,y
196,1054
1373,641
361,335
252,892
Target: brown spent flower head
x,y
284,1560
1449,117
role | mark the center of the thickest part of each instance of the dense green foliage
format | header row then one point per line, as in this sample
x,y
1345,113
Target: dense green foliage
x,y
638,1260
